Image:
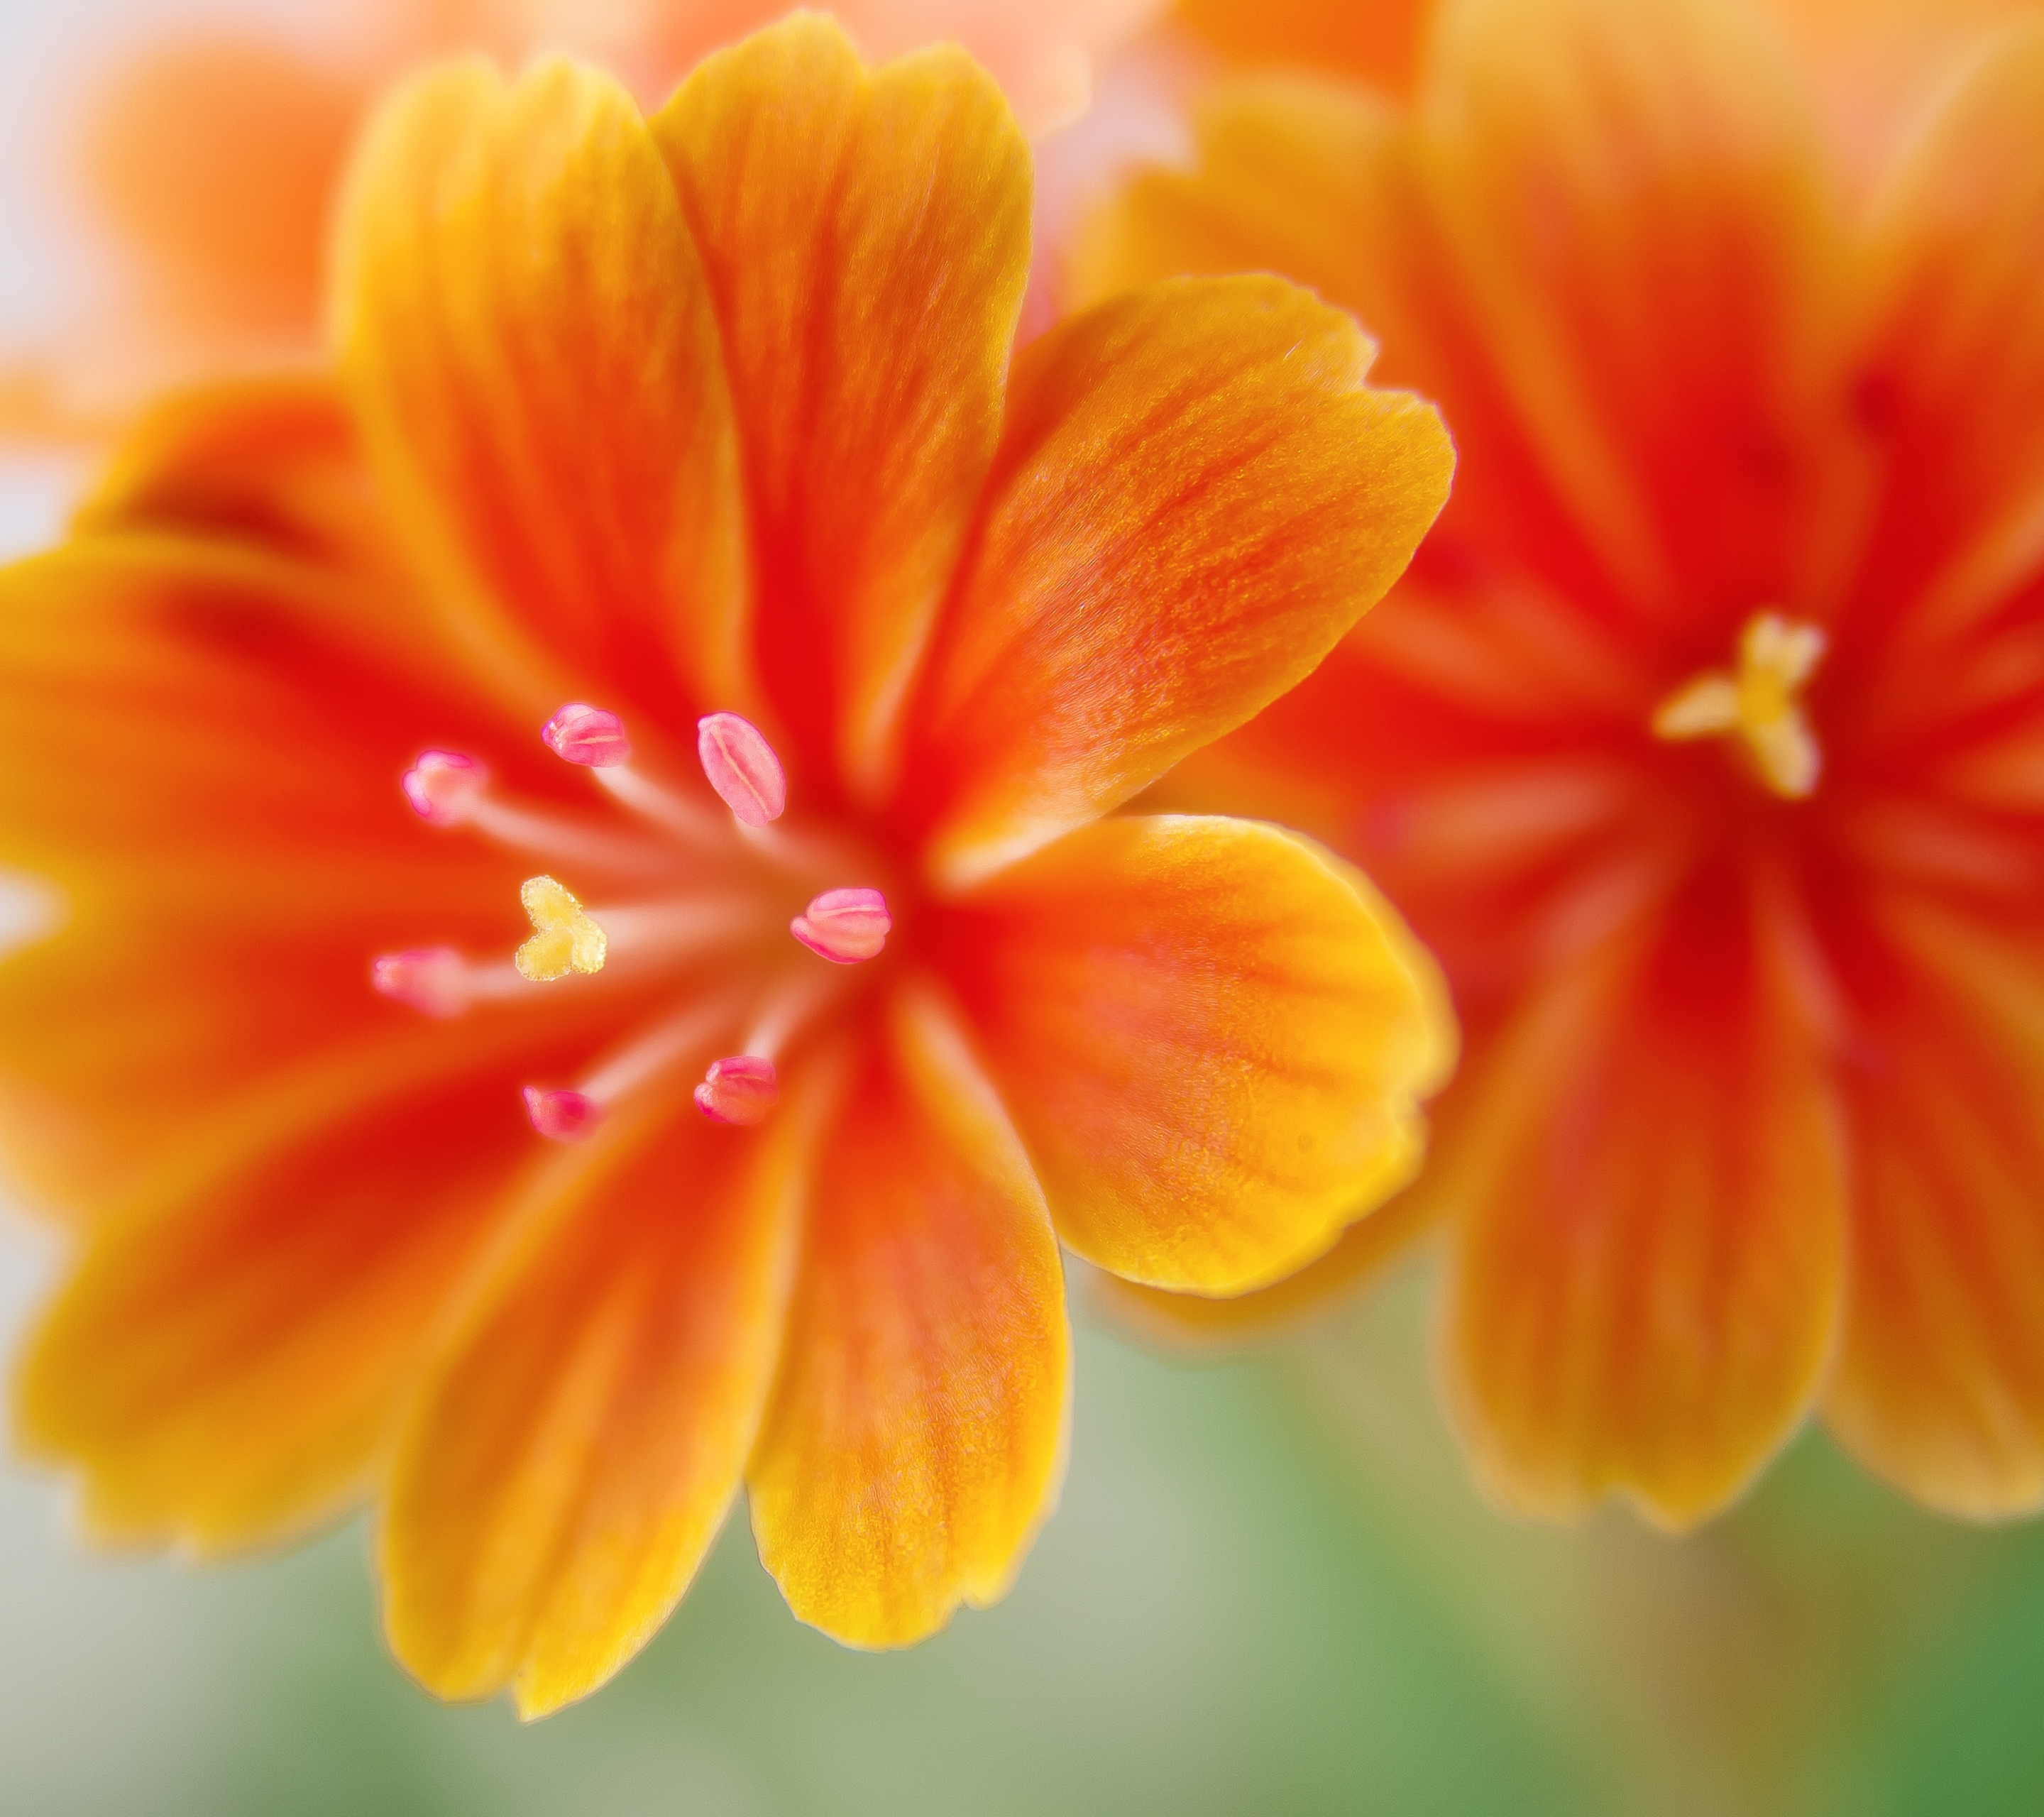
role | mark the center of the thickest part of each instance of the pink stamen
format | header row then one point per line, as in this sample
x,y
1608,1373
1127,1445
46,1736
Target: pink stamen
x,y
845,926
740,1090
443,787
563,1115
434,979
587,735
741,767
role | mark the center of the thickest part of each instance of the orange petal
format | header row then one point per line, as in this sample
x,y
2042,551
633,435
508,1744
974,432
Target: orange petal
x,y
1627,271
1285,182
1650,1182
1940,1381
1214,1038
527,334
213,157
273,464
867,242
916,1437
575,1449
200,747
1377,41
1954,382
1196,494
225,1363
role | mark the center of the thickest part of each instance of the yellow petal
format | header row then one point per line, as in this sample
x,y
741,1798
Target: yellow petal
x,y
1214,1038
528,336
573,1450
918,1435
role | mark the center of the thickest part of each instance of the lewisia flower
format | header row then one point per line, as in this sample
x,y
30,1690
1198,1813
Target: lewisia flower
x,y
747,1031
209,155
1704,741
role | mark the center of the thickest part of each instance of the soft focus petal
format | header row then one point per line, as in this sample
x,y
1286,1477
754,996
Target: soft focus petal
x,y
1649,1183
200,748
573,1453
212,157
273,463
227,1361
1605,247
917,1433
1285,182
1196,494
1953,380
1647,269
527,332
1940,1381
1375,41
1214,1039
867,240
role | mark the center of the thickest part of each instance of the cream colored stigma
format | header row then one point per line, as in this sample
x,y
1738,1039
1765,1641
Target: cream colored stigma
x,y
564,938
1761,705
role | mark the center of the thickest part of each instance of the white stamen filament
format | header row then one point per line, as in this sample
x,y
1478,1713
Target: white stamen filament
x,y
666,1043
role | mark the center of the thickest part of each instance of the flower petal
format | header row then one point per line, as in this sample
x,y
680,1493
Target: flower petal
x,y
573,1451
1954,379
1650,1182
1603,244
918,1435
867,242
273,464
1378,42
526,331
226,1363
1196,495
199,746
1940,1381
1214,1038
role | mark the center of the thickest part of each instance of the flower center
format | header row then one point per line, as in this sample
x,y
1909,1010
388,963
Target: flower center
x,y
1761,705
696,887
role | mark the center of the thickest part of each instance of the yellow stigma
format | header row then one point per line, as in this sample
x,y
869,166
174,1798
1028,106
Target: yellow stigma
x,y
1761,704
564,938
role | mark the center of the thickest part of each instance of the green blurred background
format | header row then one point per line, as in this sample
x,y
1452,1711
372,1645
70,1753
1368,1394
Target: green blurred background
x,y
1270,1589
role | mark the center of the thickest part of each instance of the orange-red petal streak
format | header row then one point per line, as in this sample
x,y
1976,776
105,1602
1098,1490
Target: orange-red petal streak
x,y
1196,494
867,240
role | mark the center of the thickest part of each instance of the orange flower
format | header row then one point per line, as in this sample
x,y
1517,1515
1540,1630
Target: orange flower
x,y
706,419
210,157
1705,740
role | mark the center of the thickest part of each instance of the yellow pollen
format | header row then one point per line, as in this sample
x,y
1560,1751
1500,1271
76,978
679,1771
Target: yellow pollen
x,y
564,938
1761,704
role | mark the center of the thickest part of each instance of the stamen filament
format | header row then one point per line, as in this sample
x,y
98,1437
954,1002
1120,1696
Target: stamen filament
x,y
673,930
652,801
438,982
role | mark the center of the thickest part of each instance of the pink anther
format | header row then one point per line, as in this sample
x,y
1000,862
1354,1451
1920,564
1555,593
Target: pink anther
x,y
443,786
741,767
434,979
563,1115
845,926
740,1090
587,735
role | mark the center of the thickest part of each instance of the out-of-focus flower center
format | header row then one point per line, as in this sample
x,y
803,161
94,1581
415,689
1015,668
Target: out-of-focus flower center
x,y
701,915
1760,703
